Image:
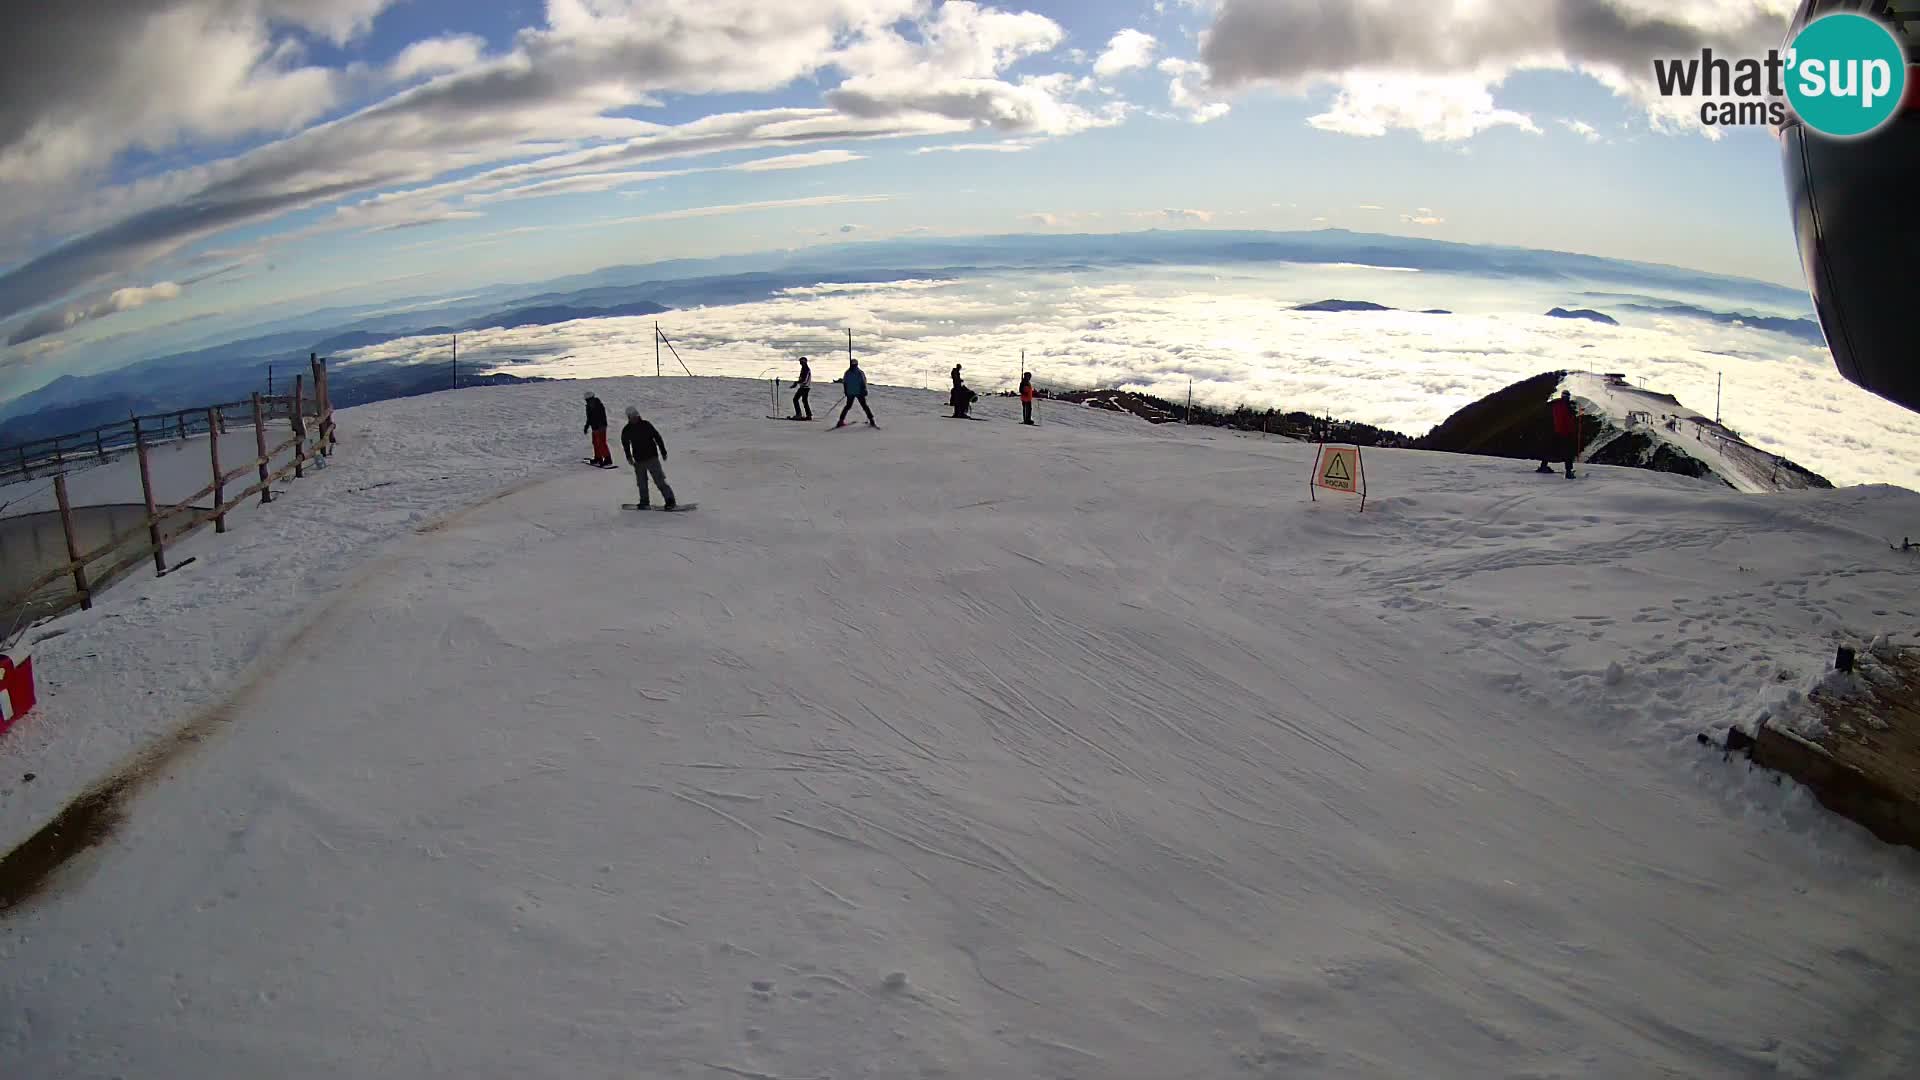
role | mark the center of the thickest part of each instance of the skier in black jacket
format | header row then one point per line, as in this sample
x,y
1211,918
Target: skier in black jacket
x,y
597,423
645,450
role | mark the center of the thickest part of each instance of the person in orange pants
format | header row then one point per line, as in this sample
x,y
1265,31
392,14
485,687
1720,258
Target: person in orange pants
x,y
597,423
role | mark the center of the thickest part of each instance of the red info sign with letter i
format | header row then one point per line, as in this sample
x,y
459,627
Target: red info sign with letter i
x,y
16,690
1339,468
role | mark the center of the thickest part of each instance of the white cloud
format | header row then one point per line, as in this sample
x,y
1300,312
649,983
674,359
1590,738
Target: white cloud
x,y
1375,52
1423,216
749,207
1583,129
1437,108
1048,220
1369,206
1241,343
119,300
1175,215
427,219
811,160
1187,91
1005,146
561,95
81,82
1128,50
436,55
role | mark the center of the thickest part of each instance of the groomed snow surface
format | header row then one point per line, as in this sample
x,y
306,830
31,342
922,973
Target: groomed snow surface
x,y
960,750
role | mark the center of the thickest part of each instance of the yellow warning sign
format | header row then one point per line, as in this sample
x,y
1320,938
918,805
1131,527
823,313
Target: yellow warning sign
x,y
1338,468
1337,472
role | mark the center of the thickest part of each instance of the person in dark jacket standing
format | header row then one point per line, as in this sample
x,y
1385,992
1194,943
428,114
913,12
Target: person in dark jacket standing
x,y
800,401
597,423
645,450
1566,429
1026,397
854,382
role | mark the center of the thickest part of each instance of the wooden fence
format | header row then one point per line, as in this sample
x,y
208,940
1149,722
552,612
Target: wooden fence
x,y
169,524
41,457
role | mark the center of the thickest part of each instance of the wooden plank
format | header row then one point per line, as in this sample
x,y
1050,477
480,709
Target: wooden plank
x,y
24,593
73,544
126,563
299,431
153,522
260,441
219,484
186,503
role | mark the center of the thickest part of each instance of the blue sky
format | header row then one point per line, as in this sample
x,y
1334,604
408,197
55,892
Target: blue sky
x,y
175,166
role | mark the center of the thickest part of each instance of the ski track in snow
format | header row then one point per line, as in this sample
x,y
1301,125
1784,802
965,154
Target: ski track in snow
x,y
1095,750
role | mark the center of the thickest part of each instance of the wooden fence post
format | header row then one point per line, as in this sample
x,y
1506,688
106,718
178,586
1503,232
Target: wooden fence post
x,y
319,406
219,485
100,443
260,445
182,418
324,437
25,472
73,544
299,432
153,522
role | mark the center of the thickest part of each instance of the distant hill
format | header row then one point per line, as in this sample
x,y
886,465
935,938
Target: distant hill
x,y
1806,330
1343,305
1583,313
1361,305
1619,424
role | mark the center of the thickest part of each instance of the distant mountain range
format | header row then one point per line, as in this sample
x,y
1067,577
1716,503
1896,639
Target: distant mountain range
x,y
1807,330
215,369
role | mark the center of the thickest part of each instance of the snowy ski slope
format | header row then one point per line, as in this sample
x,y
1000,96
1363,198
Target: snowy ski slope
x,y
961,750
1746,467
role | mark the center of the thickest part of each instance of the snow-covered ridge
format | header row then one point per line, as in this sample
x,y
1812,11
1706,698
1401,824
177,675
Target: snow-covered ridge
x,y
1647,428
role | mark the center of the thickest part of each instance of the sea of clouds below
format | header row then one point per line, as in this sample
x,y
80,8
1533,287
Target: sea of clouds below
x,y
1233,333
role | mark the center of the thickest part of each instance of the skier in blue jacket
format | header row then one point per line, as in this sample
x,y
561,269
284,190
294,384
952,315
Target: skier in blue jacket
x,y
854,382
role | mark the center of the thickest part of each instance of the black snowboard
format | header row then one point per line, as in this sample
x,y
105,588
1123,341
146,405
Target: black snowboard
x,y
654,506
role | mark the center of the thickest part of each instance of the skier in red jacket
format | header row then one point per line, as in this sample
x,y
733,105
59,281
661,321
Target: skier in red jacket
x,y
1566,428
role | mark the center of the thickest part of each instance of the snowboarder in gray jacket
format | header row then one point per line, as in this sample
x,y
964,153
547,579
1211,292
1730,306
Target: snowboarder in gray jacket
x,y
645,450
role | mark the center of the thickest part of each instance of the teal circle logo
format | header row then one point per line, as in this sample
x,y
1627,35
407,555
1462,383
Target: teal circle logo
x,y
1845,74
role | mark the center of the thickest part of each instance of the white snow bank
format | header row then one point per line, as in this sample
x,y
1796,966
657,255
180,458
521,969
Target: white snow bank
x,y
962,749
